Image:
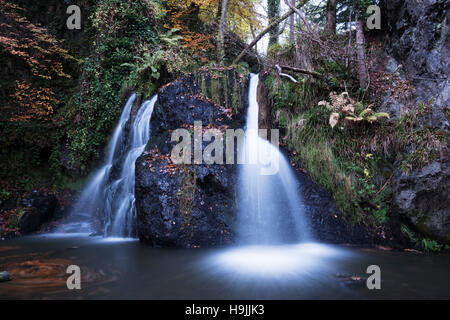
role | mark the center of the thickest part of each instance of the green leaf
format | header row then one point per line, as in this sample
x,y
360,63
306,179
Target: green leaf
x,y
382,115
371,118
366,112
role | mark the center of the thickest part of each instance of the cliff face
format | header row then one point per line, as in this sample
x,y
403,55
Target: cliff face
x,y
417,36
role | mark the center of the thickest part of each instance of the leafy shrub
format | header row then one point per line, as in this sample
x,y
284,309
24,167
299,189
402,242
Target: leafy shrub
x,y
344,107
121,28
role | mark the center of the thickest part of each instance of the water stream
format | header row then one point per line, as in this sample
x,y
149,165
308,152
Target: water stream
x,y
110,193
272,211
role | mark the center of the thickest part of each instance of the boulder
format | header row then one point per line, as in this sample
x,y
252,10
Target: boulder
x,y
5,276
422,199
40,208
189,205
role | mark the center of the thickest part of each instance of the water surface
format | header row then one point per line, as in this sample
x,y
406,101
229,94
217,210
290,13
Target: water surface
x,y
114,268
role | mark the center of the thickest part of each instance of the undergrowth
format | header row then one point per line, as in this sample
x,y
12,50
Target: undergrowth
x,y
354,160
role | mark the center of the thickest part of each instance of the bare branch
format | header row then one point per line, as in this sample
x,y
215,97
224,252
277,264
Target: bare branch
x,y
311,73
284,74
266,30
302,17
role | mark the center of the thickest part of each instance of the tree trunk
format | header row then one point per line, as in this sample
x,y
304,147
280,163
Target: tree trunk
x,y
292,24
349,48
221,38
302,18
360,51
331,17
266,30
273,8
219,10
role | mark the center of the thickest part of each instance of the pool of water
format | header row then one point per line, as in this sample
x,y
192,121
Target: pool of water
x,y
115,268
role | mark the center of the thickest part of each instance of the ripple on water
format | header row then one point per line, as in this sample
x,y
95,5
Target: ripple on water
x,y
40,274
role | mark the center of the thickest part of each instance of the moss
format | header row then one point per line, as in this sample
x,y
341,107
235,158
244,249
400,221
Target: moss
x,y
224,86
203,85
4,196
418,143
236,98
215,91
13,221
431,245
186,197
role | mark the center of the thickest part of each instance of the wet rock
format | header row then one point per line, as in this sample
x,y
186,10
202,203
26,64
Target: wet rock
x,y
327,222
422,199
186,205
265,105
5,276
417,35
392,106
392,65
40,208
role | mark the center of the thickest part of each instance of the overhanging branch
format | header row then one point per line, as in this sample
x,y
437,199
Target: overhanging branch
x,y
311,73
266,30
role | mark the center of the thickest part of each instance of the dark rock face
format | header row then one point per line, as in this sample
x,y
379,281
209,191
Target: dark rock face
x,y
265,104
194,207
41,207
423,199
326,220
418,38
186,205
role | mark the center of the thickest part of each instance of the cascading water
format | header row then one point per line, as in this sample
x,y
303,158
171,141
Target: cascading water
x,y
271,209
120,200
110,193
274,236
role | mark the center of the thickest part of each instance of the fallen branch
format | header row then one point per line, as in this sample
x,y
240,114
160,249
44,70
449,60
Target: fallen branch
x,y
384,186
266,30
311,73
280,73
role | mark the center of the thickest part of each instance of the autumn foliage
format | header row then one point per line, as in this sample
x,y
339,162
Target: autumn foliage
x,y
182,14
39,56
32,103
193,40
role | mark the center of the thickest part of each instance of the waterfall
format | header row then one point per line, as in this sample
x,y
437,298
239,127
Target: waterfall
x,y
271,210
274,237
110,192
120,200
